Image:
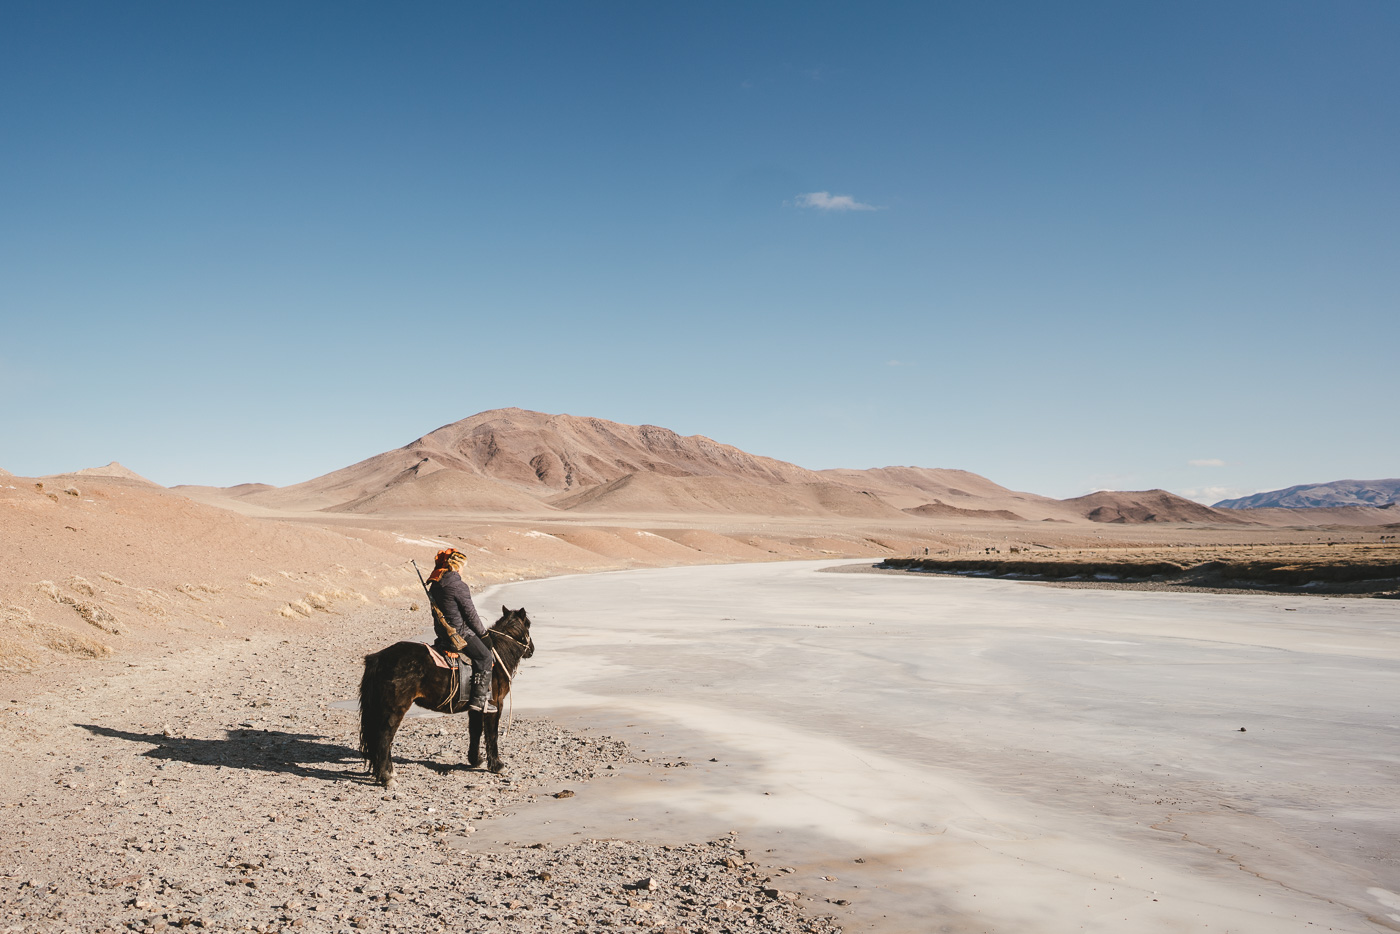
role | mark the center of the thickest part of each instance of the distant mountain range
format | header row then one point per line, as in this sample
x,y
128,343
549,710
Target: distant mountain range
x,y
514,462
522,463
1321,495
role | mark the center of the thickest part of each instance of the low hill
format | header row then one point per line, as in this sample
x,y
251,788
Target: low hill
x,y
939,510
1321,495
1147,506
913,487
112,470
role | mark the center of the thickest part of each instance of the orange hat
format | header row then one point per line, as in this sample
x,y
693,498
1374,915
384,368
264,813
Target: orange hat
x,y
445,561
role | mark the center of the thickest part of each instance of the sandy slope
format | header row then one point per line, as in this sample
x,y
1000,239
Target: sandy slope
x,y
104,564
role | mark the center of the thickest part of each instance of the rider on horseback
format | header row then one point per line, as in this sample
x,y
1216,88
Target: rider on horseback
x,y
458,627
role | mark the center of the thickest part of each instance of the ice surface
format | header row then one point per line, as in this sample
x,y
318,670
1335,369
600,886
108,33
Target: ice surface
x,y
1004,755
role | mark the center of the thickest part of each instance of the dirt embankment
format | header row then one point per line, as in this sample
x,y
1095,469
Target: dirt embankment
x,y
1363,570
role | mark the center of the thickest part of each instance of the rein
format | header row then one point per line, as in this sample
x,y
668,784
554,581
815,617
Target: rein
x,y
453,687
510,675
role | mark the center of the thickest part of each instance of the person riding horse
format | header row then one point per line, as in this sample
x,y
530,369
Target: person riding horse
x,y
458,627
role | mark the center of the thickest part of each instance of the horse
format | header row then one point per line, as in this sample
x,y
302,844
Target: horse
x,y
404,674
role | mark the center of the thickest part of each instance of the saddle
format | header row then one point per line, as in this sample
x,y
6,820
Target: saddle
x,y
451,660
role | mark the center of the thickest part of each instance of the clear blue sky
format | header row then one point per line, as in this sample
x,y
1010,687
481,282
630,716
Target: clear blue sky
x,y
1067,246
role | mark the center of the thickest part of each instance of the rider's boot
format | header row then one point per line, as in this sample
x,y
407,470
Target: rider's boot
x,y
481,693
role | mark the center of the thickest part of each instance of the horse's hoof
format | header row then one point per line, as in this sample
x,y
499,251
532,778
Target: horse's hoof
x,y
474,762
498,766
391,783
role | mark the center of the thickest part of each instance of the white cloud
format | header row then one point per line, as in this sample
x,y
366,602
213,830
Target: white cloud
x,y
826,201
1207,462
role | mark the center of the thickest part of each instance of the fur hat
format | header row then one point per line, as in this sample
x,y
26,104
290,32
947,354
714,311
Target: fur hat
x,y
449,559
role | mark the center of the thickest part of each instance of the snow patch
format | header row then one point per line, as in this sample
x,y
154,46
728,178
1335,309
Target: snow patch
x,y
425,542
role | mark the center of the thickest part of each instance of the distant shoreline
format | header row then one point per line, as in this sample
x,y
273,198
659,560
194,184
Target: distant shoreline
x,y
1242,573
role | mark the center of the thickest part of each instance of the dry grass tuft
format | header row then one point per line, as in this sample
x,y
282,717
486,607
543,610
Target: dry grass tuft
x,y
94,613
152,602
256,581
16,656
82,585
389,592
199,592
16,652
112,578
99,616
21,636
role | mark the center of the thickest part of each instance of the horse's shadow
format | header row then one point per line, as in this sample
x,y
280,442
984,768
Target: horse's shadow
x,y
301,754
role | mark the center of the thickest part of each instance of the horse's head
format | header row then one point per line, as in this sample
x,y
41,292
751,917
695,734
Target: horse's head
x,y
515,625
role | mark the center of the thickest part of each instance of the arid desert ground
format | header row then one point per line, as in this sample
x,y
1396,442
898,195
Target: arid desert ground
x,y
177,664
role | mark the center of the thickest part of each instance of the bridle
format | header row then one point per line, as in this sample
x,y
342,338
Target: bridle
x,y
528,645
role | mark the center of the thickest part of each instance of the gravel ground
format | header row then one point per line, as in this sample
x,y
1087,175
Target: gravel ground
x,y
223,791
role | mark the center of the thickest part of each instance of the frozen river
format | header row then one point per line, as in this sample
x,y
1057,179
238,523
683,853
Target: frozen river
x,y
1000,756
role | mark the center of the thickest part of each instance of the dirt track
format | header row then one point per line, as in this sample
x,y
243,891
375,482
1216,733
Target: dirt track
x,y
221,790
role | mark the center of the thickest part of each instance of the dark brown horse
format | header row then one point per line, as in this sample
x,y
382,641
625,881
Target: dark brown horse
x,y
404,674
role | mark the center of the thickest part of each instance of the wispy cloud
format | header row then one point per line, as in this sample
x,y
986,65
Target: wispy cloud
x,y
1207,462
896,363
826,201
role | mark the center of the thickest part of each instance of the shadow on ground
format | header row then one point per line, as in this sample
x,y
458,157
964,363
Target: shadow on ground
x,y
302,754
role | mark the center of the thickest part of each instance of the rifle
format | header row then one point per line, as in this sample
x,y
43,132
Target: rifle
x,y
456,641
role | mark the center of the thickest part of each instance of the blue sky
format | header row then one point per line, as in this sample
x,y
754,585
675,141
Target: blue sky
x,y
1069,247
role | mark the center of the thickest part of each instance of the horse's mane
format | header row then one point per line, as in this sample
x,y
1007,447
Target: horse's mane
x,y
512,627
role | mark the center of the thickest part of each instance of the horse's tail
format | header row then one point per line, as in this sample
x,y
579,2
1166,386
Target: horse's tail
x,y
373,711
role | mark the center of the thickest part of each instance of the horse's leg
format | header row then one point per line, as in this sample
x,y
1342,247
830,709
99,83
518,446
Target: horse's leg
x,y
474,753
391,726
377,720
493,755
384,699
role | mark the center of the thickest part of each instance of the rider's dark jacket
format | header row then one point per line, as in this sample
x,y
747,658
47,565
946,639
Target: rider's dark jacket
x,y
453,597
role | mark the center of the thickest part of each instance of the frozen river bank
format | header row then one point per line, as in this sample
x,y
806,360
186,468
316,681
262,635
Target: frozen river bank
x,y
1002,756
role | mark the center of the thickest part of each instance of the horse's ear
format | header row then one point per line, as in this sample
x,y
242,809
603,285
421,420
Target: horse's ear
x,y
504,610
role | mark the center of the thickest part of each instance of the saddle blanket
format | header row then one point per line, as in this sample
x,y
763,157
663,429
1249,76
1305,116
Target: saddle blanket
x,y
463,676
438,658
